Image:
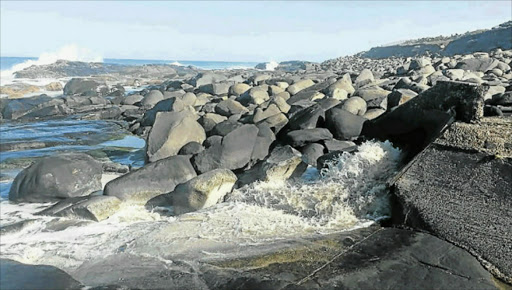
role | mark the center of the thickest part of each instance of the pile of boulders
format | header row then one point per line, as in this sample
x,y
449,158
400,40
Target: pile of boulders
x,y
217,130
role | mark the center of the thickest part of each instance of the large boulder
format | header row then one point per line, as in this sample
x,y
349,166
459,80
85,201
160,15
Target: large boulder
x,y
477,64
355,105
215,89
256,95
299,86
57,177
299,138
344,83
233,153
230,107
33,106
81,87
132,99
153,179
202,191
365,77
167,105
284,163
238,89
416,122
343,124
152,98
16,275
171,131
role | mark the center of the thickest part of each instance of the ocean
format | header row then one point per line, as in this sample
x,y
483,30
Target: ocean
x,y
7,63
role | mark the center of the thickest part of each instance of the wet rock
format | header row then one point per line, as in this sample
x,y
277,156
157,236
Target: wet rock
x,y
57,177
18,108
171,131
153,179
337,145
233,153
323,160
343,124
202,191
15,275
95,208
311,152
284,163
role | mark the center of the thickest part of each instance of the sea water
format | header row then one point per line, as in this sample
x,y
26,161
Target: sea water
x,y
348,194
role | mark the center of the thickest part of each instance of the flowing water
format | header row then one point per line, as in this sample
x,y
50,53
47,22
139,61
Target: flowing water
x,y
350,193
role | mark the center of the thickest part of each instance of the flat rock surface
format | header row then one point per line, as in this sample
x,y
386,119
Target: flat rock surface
x,y
460,189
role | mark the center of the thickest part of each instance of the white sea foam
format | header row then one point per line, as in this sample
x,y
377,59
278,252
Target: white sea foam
x,y
270,66
350,193
70,52
177,63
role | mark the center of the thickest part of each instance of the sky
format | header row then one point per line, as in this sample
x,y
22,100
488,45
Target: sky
x,y
232,30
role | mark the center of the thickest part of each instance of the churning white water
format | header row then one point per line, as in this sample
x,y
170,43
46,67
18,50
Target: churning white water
x,y
350,193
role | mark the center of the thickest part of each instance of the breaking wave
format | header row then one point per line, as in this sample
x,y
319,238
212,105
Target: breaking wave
x,y
350,193
70,52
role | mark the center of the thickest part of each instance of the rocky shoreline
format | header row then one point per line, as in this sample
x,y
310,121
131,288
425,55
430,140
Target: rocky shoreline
x,y
211,132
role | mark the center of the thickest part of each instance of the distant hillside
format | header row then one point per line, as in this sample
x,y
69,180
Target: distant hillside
x,y
469,42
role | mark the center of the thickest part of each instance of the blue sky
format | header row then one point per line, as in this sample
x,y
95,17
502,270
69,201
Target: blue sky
x,y
234,31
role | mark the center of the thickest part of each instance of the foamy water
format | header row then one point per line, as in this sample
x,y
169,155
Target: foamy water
x,y
351,193
70,52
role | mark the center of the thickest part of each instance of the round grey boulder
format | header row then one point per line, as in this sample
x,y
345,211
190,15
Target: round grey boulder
x,y
57,177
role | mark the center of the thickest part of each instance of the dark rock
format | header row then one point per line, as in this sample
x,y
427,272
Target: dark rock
x,y
462,175
230,107
399,97
212,140
343,125
132,99
307,93
311,152
336,145
191,148
415,123
233,153
477,64
151,180
17,108
81,87
307,118
225,127
57,177
264,140
15,275
95,208
206,78
299,138
322,160
283,163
